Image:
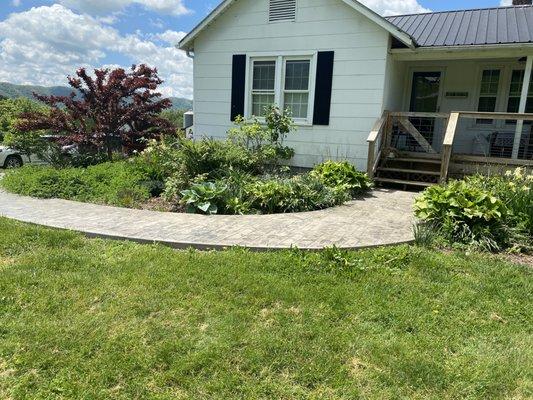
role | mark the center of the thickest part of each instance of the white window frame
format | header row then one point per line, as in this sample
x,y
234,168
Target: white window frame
x,y
252,91
507,93
477,94
279,86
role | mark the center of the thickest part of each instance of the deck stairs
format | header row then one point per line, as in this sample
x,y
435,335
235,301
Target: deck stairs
x,y
408,172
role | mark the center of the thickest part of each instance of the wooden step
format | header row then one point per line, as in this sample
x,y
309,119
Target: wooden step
x,y
409,171
402,182
415,160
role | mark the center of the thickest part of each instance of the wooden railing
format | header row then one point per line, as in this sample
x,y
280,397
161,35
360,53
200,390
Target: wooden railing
x,y
376,143
379,140
447,146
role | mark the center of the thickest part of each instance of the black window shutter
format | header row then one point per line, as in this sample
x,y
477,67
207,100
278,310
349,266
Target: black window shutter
x,y
238,76
324,79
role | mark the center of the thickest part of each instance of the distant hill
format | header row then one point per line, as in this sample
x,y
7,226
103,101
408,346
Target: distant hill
x,y
11,91
180,103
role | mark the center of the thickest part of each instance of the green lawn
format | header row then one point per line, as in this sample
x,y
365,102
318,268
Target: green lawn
x,y
93,319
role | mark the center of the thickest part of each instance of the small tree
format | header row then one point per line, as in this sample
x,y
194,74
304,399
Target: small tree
x,y
28,143
112,108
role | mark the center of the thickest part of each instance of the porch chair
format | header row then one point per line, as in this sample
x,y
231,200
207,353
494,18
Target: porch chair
x,y
501,145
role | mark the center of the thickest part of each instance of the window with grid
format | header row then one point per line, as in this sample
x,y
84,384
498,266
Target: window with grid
x,y
490,82
515,92
263,86
296,87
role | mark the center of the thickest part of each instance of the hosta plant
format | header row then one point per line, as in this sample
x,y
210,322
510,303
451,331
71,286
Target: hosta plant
x,y
204,198
462,211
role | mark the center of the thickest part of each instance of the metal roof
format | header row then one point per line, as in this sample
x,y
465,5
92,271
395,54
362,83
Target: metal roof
x,y
488,26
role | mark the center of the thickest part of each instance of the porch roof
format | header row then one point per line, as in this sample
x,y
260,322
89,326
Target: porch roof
x,y
488,26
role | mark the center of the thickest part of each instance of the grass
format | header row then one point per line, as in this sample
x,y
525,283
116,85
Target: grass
x,y
94,319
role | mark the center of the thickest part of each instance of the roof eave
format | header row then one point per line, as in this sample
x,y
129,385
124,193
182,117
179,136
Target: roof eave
x,y
402,36
187,43
467,47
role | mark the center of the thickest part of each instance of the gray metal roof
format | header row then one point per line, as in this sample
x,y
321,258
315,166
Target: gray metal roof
x,y
486,26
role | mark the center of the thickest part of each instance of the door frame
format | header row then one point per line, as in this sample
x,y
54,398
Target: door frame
x,y
409,84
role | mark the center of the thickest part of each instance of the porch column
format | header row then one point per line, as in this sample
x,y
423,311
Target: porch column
x,y
522,107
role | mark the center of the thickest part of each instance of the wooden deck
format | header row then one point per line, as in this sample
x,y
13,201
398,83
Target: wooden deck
x,y
405,148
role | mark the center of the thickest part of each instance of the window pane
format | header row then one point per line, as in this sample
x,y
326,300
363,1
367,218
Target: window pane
x,y
517,80
513,104
297,103
259,102
516,83
264,75
486,104
490,81
297,75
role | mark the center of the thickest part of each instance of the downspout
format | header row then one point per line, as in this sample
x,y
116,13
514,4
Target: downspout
x,y
522,107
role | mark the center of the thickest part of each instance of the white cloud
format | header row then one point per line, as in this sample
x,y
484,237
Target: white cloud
x,y
171,37
102,7
395,7
45,44
16,3
504,3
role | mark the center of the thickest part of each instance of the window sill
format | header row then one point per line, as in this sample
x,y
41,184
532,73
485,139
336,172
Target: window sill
x,y
303,123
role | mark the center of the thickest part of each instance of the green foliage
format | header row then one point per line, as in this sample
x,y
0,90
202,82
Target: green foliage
x,y
342,175
203,197
210,176
115,183
161,157
28,143
98,319
265,141
215,157
515,189
279,124
299,193
175,116
488,212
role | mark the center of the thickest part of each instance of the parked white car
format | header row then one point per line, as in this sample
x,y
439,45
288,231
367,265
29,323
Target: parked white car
x,y
10,158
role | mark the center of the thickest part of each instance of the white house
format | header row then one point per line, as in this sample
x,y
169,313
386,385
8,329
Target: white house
x,y
399,95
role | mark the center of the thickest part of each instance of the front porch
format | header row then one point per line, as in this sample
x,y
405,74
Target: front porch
x,y
400,152
428,140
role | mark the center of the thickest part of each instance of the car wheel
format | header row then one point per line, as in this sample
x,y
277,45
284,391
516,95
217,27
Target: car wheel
x,y
13,162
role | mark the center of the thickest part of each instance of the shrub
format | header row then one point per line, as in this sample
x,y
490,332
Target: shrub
x,y
215,157
492,213
299,193
342,175
515,189
119,183
265,141
161,157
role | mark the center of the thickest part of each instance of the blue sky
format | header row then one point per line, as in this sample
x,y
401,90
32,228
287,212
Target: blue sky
x,y
42,41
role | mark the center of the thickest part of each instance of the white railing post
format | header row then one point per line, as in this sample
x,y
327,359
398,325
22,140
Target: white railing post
x,y
522,107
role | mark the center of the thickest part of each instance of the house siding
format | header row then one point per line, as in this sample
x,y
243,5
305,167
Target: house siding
x,y
359,71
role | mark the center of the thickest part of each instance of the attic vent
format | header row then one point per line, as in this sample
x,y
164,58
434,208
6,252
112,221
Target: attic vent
x,y
282,10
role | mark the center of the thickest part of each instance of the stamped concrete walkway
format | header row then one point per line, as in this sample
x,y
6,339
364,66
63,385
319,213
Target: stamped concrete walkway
x,y
384,217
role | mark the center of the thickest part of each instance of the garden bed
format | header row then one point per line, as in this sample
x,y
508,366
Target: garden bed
x,y
243,174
